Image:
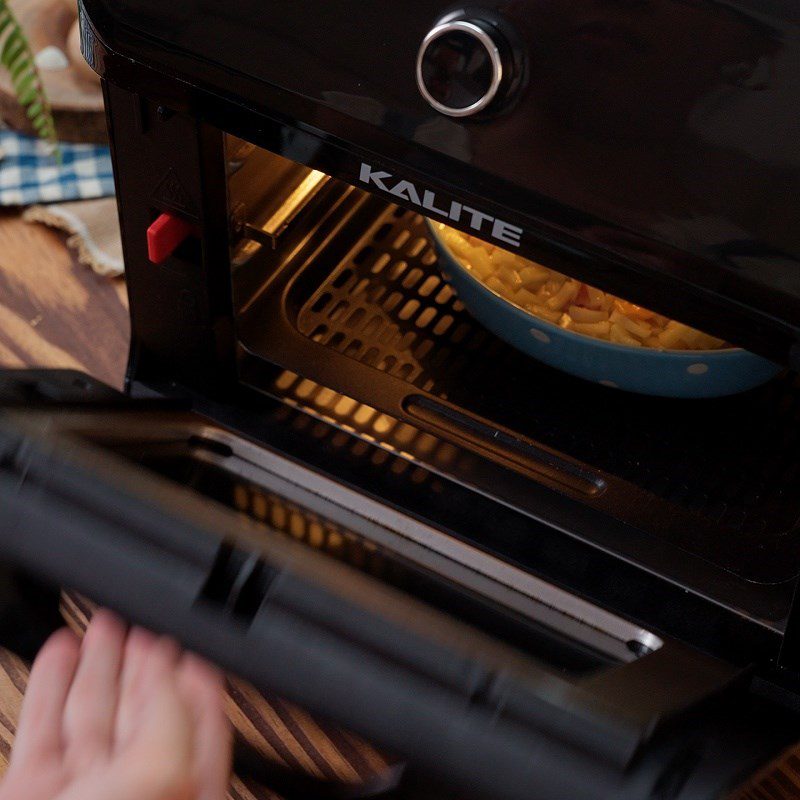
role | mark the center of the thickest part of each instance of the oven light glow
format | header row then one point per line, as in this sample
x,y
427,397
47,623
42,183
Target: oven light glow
x,y
294,203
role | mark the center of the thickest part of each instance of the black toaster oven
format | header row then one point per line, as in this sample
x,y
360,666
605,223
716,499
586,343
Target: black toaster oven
x,y
329,478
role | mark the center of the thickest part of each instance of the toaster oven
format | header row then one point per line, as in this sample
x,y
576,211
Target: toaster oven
x,y
327,476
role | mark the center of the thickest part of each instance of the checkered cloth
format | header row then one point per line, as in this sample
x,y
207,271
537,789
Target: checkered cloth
x,y
30,174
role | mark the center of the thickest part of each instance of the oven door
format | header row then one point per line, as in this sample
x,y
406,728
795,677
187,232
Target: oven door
x,y
478,673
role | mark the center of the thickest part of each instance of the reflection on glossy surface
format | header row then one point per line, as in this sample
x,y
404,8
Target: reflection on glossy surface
x,y
614,122
662,130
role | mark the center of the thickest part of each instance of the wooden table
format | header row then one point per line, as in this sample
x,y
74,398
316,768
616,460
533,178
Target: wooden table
x,y
54,312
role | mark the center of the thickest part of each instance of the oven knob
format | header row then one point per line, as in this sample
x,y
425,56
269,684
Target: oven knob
x,y
462,65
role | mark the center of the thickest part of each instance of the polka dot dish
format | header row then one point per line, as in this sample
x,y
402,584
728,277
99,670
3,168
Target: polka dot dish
x,y
666,373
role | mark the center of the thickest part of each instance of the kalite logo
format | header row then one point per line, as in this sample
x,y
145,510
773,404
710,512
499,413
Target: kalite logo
x,y
427,200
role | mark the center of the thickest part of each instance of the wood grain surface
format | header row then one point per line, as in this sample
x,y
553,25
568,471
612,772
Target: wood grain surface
x,y
55,312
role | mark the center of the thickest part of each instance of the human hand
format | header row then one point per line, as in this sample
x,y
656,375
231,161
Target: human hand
x,y
123,716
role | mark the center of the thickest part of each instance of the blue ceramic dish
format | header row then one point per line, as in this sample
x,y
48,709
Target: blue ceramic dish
x,y
665,373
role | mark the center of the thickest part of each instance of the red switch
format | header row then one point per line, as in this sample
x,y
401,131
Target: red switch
x,y
165,235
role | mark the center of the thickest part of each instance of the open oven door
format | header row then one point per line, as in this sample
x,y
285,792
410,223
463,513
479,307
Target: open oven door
x,y
277,574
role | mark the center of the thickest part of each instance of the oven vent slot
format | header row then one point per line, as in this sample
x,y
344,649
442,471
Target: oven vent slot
x,y
523,456
355,550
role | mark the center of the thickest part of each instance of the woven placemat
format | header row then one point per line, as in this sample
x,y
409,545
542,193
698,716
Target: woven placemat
x,y
93,231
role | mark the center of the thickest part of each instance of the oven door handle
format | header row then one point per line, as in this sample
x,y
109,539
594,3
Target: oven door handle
x,y
317,633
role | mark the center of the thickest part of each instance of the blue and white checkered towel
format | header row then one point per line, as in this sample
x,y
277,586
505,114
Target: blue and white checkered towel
x,y
30,174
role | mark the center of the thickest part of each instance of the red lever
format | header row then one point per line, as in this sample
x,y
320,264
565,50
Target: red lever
x,y
165,235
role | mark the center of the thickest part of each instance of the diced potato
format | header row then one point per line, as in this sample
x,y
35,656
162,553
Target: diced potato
x,y
534,276
564,296
587,315
570,303
599,329
621,336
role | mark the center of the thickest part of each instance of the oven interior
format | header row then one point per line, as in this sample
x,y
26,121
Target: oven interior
x,y
342,312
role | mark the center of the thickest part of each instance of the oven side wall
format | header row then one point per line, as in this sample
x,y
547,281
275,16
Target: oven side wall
x,y
181,310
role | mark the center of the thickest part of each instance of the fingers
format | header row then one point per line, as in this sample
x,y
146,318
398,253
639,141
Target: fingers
x,y
126,716
137,650
156,763
150,667
157,760
39,736
92,702
203,689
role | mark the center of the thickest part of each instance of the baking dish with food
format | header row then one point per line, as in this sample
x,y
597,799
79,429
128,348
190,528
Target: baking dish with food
x,y
686,373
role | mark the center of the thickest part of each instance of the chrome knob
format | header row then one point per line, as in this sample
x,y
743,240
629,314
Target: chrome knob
x,y
461,66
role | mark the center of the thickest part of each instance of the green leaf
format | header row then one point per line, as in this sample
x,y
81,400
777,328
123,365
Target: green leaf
x,y
13,45
17,58
23,84
27,97
22,65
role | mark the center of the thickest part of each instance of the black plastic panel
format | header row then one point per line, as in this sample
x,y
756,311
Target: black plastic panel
x,y
187,464
656,142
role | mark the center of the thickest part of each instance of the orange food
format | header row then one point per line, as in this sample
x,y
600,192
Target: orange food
x,y
568,302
